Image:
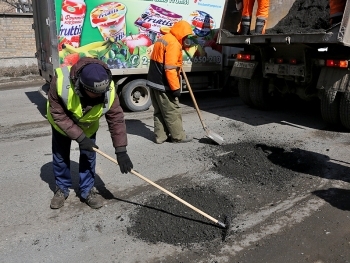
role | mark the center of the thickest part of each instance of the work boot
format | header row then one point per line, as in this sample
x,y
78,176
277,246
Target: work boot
x,y
245,26
168,139
186,139
93,199
259,26
58,199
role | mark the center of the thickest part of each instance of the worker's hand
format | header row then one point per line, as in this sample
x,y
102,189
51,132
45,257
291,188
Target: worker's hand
x,y
124,162
177,93
87,144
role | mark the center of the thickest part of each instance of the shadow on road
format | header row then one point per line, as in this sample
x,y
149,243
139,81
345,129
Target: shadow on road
x,y
290,111
39,101
307,162
137,127
336,197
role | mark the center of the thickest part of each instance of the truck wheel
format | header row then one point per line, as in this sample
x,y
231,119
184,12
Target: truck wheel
x,y
136,95
345,109
330,107
243,91
258,90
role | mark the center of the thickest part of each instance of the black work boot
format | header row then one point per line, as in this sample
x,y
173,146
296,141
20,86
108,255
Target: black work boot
x,y
245,26
93,199
259,26
58,199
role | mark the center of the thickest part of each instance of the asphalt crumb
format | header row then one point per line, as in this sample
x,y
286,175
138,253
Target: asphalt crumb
x,y
252,175
164,219
264,165
305,16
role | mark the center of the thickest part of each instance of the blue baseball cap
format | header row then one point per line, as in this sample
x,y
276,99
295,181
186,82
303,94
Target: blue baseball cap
x,y
95,78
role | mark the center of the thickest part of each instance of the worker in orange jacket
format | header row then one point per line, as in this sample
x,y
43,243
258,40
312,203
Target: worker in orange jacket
x,y
336,10
163,79
262,14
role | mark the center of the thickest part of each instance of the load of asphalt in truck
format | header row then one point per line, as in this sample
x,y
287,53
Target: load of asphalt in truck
x,y
304,17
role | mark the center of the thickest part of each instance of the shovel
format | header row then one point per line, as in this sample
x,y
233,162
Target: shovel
x,y
221,224
210,134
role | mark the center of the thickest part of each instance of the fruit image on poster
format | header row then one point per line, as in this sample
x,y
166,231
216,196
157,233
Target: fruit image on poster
x,y
154,19
202,23
109,18
122,33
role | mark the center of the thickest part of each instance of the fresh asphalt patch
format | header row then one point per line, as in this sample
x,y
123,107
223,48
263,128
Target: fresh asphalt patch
x,y
251,175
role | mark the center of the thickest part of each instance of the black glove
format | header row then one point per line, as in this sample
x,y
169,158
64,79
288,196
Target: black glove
x,y
124,162
87,144
177,93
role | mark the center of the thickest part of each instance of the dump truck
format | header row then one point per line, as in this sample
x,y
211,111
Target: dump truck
x,y
300,54
122,33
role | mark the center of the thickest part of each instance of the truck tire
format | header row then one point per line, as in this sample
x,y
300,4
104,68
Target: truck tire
x,y
344,109
330,107
243,91
258,90
136,95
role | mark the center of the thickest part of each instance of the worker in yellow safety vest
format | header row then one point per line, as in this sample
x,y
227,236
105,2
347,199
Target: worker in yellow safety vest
x,y
78,97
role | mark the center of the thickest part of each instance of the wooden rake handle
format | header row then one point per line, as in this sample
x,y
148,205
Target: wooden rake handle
x,y
193,98
164,190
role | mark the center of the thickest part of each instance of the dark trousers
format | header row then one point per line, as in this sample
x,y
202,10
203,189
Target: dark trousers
x,y
61,165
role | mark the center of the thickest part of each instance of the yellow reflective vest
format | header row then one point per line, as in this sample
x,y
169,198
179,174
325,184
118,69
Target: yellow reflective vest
x,y
88,122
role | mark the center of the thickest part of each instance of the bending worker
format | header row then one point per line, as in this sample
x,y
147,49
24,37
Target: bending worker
x,y
262,14
164,82
78,97
336,9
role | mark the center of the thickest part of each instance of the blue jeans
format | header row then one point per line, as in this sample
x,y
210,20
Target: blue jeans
x,y
61,165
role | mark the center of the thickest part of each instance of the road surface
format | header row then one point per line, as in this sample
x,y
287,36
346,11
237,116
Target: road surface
x,y
290,203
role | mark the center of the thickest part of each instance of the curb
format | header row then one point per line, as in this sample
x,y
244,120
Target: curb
x,y
21,82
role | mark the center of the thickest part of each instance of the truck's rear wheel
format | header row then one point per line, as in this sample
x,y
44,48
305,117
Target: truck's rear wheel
x,y
136,95
345,109
330,107
258,90
243,91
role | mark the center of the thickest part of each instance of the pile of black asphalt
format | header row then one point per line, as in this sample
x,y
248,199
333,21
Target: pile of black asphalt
x,y
305,16
256,175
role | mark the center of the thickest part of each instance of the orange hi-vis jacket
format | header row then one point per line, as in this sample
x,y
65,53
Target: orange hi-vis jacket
x,y
166,58
262,12
336,7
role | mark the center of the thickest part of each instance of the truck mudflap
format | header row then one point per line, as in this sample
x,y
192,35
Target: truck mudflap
x,y
335,79
244,69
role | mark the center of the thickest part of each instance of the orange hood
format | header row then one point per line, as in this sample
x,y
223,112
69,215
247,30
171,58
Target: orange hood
x,y
181,29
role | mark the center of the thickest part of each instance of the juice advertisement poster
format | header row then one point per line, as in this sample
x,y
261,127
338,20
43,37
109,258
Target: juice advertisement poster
x,y
122,33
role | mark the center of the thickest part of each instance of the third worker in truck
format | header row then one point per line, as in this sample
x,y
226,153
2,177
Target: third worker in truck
x,y
262,14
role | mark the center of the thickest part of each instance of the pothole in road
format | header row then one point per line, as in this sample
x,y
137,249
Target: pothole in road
x,y
164,219
257,174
